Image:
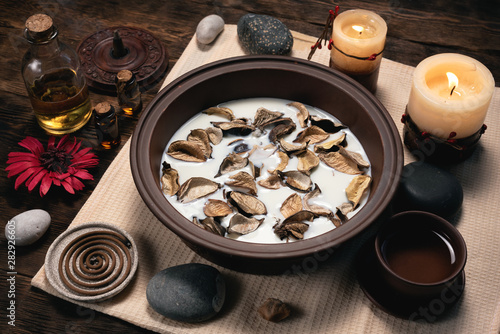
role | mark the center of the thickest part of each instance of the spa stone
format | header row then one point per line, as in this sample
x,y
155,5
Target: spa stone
x,y
426,187
262,34
209,28
190,292
29,226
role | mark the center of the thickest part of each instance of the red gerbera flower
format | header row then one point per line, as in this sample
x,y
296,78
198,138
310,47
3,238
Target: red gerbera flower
x,y
62,164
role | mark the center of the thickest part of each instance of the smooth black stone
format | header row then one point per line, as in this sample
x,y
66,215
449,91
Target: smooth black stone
x,y
190,292
426,187
263,34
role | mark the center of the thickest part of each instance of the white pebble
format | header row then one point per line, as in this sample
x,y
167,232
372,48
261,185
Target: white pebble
x,y
27,227
208,28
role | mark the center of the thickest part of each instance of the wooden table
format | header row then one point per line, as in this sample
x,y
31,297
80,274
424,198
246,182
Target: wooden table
x,y
416,30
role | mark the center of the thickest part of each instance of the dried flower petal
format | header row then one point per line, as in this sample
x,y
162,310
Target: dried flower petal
x,y
220,111
332,145
247,205
211,225
186,150
311,135
196,187
200,137
294,225
231,163
243,180
302,114
326,124
169,180
274,310
291,205
343,209
263,116
281,130
243,225
272,182
354,156
291,149
283,162
216,208
314,208
307,161
340,163
296,180
357,187
237,128
214,135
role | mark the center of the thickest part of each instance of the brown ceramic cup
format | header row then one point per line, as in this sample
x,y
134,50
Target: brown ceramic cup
x,y
420,254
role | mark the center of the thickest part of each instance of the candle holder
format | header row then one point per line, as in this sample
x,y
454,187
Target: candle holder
x,y
438,150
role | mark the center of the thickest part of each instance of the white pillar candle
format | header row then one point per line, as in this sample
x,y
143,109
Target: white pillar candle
x,y
359,33
450,95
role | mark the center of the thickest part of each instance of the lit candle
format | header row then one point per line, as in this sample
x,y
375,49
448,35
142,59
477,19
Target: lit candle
x,y
450,95
358,41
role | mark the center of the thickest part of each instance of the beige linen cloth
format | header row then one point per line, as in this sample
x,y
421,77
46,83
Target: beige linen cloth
x,y
326,300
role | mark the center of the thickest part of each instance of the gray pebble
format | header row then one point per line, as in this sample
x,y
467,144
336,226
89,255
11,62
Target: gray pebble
x,y
190,292
263,34
209,28
27,227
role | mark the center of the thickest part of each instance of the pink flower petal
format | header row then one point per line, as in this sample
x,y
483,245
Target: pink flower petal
x,y
27,173
75,183
81,153
37,178
19,167
19,158
33,145
67,186
62,142
45,184
83,174
51,142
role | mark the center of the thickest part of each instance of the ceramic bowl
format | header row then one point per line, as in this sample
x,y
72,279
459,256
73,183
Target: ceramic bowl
x,y
265,76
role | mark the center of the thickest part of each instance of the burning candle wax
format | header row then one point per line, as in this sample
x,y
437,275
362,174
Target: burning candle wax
x,y
358,33
450,95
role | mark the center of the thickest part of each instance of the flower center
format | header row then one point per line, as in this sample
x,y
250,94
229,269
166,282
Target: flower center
x,y
56,160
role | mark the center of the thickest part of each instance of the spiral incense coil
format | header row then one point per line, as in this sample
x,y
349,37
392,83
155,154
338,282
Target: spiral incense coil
x,y
91,262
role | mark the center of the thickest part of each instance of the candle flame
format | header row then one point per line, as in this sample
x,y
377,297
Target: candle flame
x,y
452,81
358,28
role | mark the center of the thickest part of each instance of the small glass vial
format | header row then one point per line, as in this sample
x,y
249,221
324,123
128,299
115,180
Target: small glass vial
x,y
106,125
129,95
54,80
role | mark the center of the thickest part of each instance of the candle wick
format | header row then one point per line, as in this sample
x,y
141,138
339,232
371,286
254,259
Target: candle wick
x,y
451,93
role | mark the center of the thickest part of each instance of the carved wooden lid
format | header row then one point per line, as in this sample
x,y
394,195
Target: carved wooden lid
x,y
144,55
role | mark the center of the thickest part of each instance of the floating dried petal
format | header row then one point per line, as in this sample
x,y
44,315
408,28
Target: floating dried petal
x,y
243,225
237,128
281,130
169,180
291,205
294,225
316,209
340,163
200,137
272,182
243,180
291,149
196,187
283,162
307,161
311,135
332,145
216,208
357,187
221,111
326,124
231,163
247,205
211,225
186,150
302,114
214,134
263,116
296,180
354,156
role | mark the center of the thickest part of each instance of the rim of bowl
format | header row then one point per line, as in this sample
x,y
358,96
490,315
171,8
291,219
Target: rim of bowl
x,y
445,227
182,227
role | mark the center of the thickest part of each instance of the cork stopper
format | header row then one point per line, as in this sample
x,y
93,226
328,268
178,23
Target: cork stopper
x,y
124,76
39,23
103,108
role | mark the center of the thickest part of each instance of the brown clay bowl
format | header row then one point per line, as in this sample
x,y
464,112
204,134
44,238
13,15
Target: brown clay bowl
x,y
266,76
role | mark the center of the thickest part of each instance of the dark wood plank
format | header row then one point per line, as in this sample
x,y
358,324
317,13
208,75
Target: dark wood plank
x,y
416,30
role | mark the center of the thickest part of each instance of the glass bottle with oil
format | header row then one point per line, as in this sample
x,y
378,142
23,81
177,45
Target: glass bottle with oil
x,y
106,125
128,92
54,80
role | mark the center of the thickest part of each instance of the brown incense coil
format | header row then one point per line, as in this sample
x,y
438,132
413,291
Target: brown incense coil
x,y
95,262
